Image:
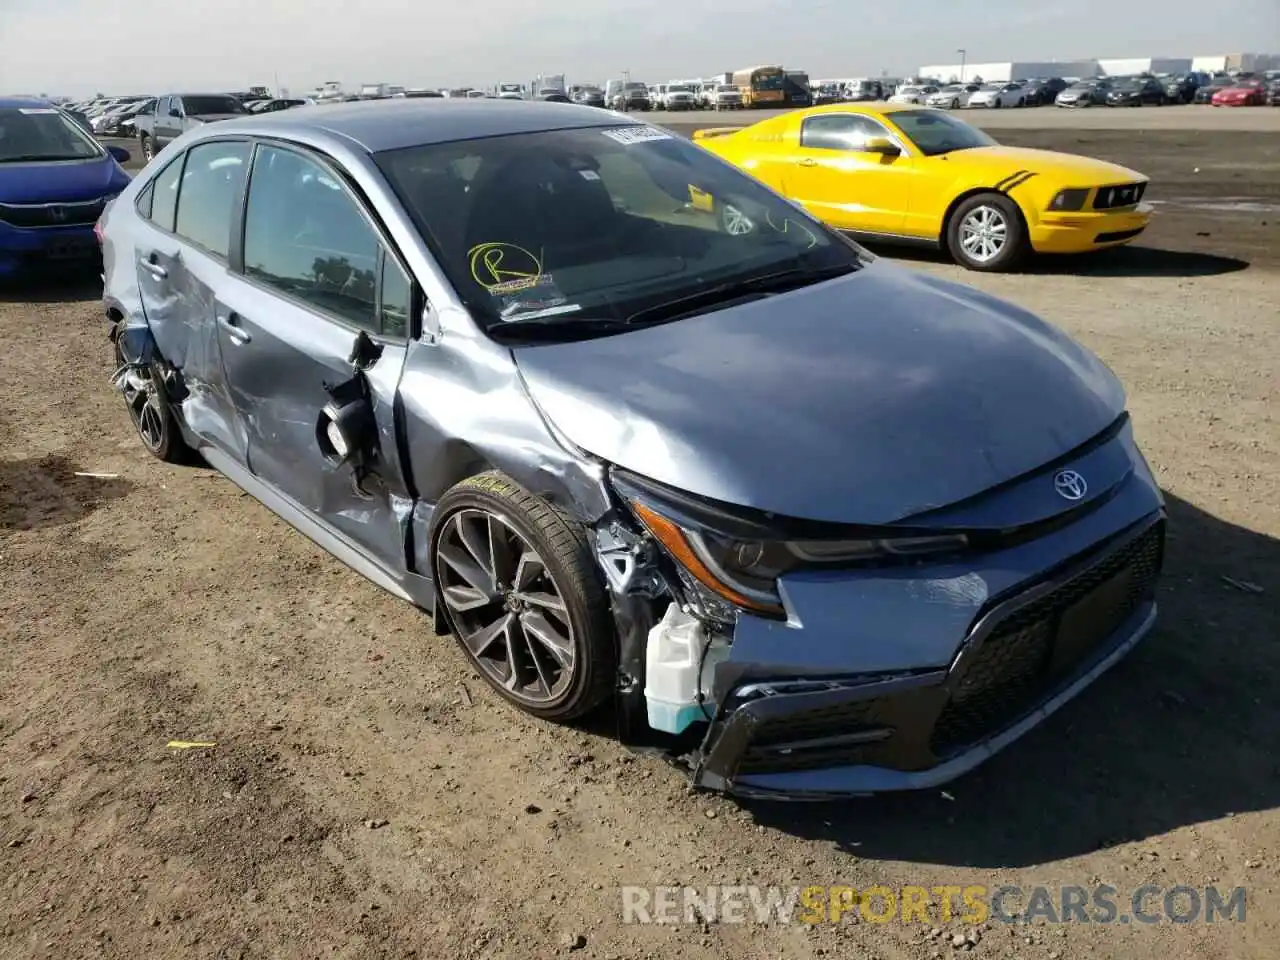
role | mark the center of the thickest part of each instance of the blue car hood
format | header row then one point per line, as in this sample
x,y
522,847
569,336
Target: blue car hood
x,y
67,181
864,399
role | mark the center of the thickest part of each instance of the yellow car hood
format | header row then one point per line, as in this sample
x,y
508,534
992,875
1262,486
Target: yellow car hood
x,y
1079,171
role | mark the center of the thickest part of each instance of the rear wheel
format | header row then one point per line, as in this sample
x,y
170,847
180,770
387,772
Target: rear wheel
x,y
521,594
986,233
148,405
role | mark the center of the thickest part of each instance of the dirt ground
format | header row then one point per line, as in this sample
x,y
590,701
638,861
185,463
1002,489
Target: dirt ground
x,y
367,797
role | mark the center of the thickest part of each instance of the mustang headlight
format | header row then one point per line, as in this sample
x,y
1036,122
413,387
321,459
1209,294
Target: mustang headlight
x,y
1071,199
745,570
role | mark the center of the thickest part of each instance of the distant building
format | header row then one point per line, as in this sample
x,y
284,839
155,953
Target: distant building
x,y
1005,71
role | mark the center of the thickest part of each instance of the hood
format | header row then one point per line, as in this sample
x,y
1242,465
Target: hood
x,y
213,117
1015,159
52,181
865,399
1237,91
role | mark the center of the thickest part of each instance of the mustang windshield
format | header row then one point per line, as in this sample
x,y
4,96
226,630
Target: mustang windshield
x,y
43,133
602,223
935,133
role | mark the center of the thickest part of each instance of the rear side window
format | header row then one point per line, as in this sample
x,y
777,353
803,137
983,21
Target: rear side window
x,y
307,236
159,202
211,186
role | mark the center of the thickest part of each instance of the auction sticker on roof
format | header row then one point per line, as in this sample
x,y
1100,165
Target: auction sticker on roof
x,y
630,135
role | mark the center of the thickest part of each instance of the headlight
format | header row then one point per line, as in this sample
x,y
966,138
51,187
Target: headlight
x,y
745,570
1072,199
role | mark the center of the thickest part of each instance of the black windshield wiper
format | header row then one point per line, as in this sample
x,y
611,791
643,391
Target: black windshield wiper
x,y
563,327
748,288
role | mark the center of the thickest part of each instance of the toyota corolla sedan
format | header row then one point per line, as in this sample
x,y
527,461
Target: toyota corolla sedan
x,y
637,431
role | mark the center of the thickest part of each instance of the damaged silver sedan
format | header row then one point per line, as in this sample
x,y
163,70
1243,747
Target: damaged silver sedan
x,y
637,431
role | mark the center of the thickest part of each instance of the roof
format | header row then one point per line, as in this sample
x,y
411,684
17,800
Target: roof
x,y
17,103
378,125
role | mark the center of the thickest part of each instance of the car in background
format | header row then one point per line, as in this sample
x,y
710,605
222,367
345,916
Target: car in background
x,y
848,528
912,93
55,182
178,113
996,95
902,173
279,103
1273,94
1084,93
1244,93
628,95
1041,92
1181,88
118,122
589,96
724,96
1136,92
952,97
679,96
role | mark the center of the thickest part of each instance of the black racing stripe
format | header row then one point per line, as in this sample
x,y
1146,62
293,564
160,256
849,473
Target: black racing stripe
x,y
1000,184
1017,183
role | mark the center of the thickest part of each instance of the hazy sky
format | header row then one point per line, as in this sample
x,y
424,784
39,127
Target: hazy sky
x,y
79,46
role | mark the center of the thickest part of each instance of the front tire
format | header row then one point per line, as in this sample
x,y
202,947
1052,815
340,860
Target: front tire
x,y
986,233
521,594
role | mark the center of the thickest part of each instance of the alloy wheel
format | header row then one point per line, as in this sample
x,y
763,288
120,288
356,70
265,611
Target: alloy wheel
x,y
144,408
506,607
983,233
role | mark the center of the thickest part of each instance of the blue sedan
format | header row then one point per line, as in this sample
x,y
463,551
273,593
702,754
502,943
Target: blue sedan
x,y
55,182
638,432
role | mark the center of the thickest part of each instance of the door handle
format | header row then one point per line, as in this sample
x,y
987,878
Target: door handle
x,y
807,162
155,269
235,333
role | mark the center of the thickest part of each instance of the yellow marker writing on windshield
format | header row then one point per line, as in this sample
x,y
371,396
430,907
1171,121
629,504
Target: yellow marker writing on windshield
x,y
499,264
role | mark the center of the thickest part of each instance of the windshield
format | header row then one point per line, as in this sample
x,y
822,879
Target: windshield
x,y
909,90
637,86
679,88
993,86
599,224
935,133
951,88
1128,85
726,88
43,133
768,81
203,105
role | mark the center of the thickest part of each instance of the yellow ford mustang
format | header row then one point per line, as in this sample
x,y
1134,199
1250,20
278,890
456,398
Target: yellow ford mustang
x,y
901,172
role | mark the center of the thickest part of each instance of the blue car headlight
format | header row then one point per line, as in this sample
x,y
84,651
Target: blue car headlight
x,y
740,559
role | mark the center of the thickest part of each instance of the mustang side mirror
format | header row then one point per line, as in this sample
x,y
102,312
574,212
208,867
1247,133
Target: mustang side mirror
x,y
881,145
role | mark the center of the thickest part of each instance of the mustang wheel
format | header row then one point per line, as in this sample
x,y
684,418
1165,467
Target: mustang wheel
x,y
522,596
986,232
734,222
149,410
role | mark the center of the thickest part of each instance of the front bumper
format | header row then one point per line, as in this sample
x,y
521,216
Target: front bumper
x,y
1085,230
1026,629
21,248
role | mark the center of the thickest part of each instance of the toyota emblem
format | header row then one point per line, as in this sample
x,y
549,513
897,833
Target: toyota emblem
x,y
1070,485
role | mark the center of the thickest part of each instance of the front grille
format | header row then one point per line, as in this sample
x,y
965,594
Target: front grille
x,y
1122,195
51,214
1032,649
1117,235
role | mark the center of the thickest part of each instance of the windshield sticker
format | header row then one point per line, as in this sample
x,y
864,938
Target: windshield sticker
x,y
545,312
494,264
36,111
589,175
630,135
790,226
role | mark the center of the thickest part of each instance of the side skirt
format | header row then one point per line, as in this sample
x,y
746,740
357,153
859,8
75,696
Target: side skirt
x,y
416,589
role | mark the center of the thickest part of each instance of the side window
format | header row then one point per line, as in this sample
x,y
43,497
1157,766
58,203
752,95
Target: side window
x,y
211,186
162,107
306,236
395,298
162,204
838,132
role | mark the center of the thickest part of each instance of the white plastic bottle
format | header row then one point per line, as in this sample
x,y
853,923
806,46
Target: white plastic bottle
x,y
673,656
